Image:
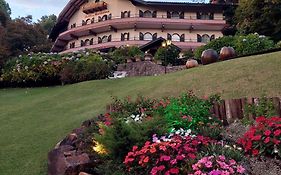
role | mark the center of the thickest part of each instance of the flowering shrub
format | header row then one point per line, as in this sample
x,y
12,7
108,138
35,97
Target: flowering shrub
x,y
171,157
218,165
264,138
51,68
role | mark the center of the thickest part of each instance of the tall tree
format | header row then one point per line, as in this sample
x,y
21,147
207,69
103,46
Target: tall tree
x,y
47,22
261,16
5,8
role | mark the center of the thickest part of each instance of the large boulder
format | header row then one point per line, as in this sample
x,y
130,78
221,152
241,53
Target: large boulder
x,y
65,160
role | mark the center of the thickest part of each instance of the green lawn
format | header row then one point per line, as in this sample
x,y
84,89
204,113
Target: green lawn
x,y
34,120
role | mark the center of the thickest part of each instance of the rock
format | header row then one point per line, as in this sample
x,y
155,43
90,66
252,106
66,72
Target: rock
x,y
83,173
191,63
70,139
66,161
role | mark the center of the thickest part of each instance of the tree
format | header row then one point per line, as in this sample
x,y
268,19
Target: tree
x,y
261,16
48,22
167,55
5,8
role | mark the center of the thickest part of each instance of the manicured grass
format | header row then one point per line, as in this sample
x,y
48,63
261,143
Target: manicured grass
x,y
32,121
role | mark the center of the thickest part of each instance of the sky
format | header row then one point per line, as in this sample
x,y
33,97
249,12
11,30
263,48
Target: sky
x,y
38,8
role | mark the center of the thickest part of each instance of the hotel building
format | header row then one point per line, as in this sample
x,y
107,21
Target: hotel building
x,y
106,24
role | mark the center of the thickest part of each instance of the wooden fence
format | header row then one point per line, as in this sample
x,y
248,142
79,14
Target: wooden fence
x,y
230,110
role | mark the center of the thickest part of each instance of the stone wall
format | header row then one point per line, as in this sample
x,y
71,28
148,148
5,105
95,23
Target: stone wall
x,y
147,68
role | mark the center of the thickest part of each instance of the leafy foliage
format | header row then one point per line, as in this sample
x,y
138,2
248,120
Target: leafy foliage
x,y
51,69
121,136
167,55
259,16
242,45
121,54
264,107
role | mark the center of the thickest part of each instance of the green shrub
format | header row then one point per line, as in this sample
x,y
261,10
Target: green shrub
x,y
264,107
187,112
168,55
120,55
243,45
278,45
121,136
216,44
188,54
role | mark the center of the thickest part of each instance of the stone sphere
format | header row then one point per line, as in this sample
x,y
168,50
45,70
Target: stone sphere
x,y
209,56
191,63
227,53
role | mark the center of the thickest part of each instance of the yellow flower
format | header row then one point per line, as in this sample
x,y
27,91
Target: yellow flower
x,y
99,148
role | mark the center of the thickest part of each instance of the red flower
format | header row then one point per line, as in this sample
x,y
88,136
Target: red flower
x,y
267,132
277,132
267,140
256,138
255,152
174,171
276,142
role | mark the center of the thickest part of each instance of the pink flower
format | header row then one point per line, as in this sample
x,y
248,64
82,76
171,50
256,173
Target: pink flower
x,y
225,173
198,172
195,167
240,169
232,162
222,158
215,172
208,164
165,158
173,162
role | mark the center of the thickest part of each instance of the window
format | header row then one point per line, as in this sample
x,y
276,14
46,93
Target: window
x,y
125,36
205,16
176,37
147,36
175,15
147,14
72,45
125,14
104,39
206,38
73,25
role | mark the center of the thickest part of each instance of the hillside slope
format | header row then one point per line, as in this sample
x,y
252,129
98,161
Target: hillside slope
x,y
34,120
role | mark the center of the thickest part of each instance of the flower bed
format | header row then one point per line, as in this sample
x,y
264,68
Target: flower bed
x,y
171,136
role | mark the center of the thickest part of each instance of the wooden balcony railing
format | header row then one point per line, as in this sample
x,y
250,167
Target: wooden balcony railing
x,y
92,7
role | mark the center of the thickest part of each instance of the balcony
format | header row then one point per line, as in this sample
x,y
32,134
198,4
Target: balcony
x,y
93,7
116,42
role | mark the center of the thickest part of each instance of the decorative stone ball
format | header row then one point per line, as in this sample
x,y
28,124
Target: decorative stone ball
x,y
191,63
209,56
227,53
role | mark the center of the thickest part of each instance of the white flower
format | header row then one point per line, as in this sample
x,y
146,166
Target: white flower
x,y
45,62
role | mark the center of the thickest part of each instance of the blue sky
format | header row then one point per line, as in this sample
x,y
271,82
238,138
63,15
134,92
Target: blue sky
x,y
38,8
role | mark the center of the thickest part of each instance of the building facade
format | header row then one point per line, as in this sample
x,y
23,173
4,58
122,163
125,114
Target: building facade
x,y
105,24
